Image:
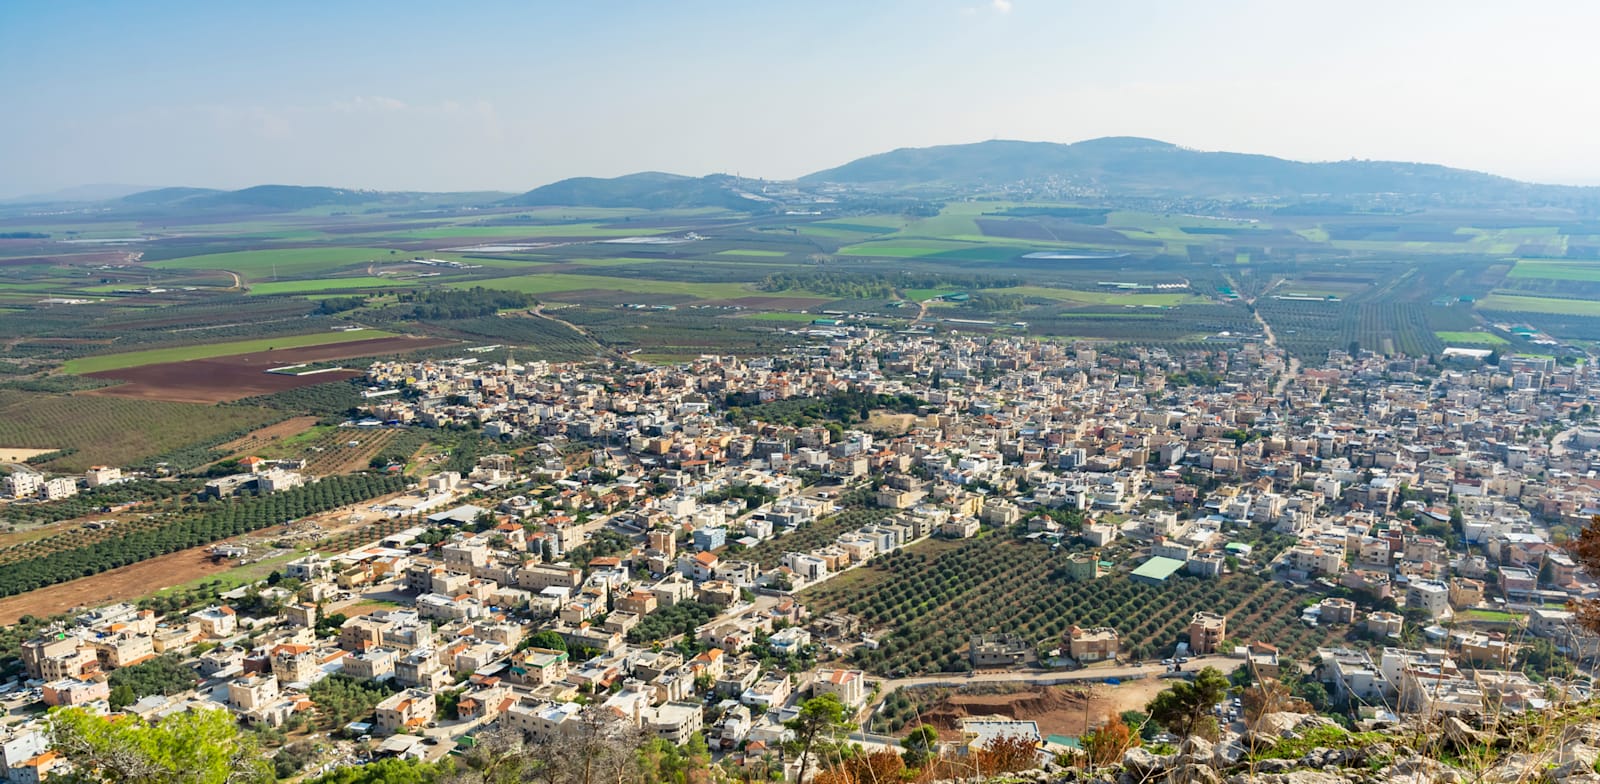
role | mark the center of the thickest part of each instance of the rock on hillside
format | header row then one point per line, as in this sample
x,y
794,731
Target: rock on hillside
x,y
1559,747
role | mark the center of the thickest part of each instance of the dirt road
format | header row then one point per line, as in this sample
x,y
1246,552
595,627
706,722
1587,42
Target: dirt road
x,y
538,312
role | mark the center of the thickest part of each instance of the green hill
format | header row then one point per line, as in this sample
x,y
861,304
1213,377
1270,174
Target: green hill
x,y
646,190
166,196
1147,167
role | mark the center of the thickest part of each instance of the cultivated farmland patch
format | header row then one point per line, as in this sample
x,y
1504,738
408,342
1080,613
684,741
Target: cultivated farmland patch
x,y
226,378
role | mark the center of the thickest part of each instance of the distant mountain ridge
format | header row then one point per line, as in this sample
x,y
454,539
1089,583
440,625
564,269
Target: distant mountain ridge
x,y
267,197
78,193
648,190
1148,167
1111,167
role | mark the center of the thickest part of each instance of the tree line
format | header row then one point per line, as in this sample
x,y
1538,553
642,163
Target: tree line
x,y
850,407
437,304
862,285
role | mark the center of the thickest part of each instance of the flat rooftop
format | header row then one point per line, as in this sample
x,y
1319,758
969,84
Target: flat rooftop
x,y
1158,568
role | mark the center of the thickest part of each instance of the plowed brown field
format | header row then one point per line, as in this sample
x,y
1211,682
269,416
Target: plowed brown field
x,y
221,379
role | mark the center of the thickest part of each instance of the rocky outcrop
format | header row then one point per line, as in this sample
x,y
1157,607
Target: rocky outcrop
x,y
1547,749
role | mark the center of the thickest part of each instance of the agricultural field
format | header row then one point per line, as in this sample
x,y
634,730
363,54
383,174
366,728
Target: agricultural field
x,y
930,597
91,430
81,553
133,359
257,265
681,333
1048,264
1555,305
562,282
752,253
341,450
1104,296
1587,271
529,231
236,376
318,285
1309,329
802,318
1471,338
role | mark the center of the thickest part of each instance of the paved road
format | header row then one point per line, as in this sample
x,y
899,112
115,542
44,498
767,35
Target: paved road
x,y
1272,342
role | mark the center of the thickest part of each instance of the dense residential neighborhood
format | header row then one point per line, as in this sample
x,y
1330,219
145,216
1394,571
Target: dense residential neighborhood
x,y
662,544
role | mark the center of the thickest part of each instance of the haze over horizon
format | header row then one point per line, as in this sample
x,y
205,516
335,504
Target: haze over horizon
x,y
503,96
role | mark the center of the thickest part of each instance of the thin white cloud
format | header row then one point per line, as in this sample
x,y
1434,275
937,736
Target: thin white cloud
x,y
1001,7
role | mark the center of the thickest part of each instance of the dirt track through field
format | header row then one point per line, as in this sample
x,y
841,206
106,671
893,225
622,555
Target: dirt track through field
x,y
267,436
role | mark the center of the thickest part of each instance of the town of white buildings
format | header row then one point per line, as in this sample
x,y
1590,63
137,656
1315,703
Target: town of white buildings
x,y
1417,495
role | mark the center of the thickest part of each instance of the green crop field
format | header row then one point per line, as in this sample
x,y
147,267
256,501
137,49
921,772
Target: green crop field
x,y
115,431
753,253
1516,303
532,230
558,282
1556,270
155,356
1473,338
324,284
1491,616
288,262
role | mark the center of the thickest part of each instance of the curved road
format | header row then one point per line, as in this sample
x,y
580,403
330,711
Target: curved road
x,y
538,312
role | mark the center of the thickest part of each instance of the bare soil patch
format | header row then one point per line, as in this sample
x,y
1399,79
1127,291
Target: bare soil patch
x,y
1059,710
898,424
15,455
266,436
1019,229
365,608
221,379
116,585
205,381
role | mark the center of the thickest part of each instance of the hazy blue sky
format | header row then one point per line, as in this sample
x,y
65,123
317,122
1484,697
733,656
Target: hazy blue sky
x,y
509,95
